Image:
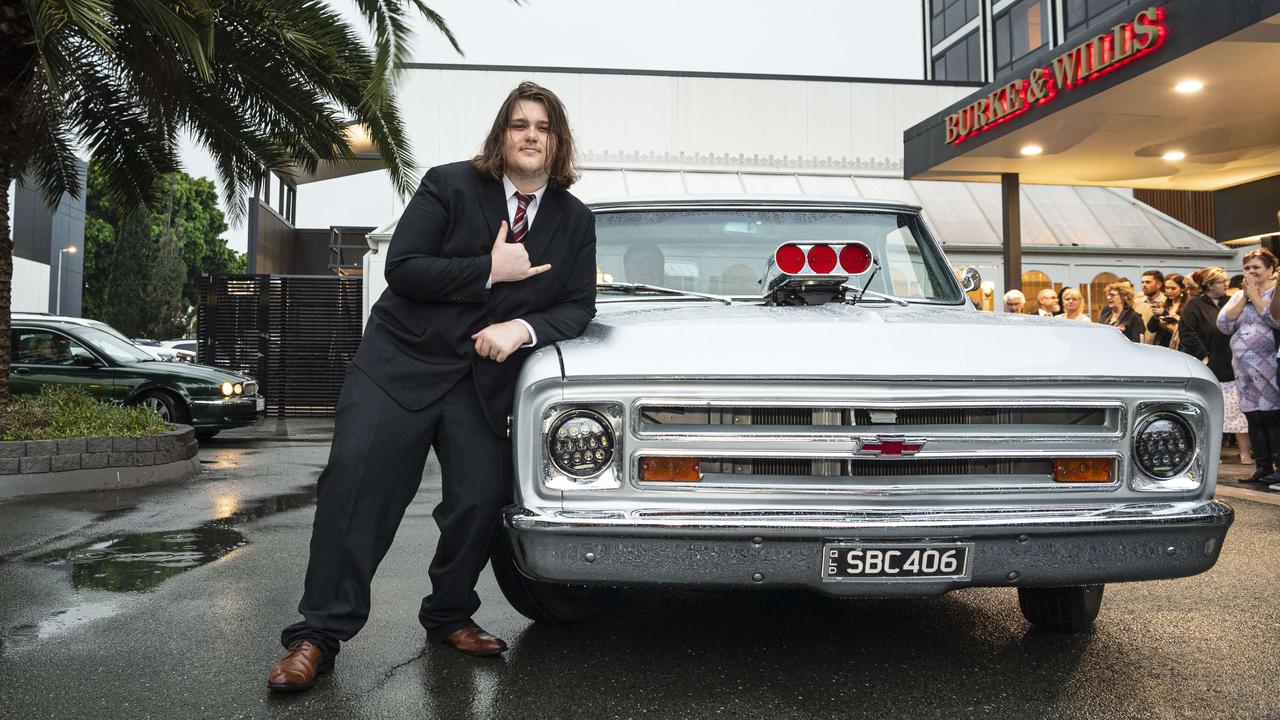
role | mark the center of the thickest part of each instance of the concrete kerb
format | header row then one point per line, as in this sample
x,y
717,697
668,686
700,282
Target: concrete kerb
x,y
34,467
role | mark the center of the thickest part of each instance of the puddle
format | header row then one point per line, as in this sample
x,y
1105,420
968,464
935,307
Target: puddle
x,y
138,562
132,563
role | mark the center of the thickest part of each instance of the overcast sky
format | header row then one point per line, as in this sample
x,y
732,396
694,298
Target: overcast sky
x,y
844,38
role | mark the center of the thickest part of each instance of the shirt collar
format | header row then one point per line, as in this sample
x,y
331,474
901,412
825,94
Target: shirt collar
x,y
510,189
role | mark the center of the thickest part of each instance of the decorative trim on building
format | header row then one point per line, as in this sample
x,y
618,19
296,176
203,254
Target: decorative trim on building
x,y
741,162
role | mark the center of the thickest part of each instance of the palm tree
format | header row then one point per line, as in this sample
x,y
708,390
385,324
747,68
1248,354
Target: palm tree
x,y
261,84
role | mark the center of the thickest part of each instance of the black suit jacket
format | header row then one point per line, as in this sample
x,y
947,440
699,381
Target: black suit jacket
x,y
417,343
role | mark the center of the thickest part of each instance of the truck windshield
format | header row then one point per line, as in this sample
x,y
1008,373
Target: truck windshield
x,y
725,252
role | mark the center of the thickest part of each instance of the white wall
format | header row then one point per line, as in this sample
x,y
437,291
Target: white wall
x,y
652,122
686,123
30,290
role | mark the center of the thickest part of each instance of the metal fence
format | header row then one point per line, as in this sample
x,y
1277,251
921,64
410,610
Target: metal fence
x,y
296,334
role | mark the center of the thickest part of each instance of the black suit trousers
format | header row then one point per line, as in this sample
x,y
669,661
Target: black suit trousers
x,y
374,469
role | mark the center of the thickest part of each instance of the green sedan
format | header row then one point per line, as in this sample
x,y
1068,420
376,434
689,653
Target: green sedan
x,y
110,369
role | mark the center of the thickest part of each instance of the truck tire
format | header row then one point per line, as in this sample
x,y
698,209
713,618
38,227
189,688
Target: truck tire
x,y
547,602
1061,609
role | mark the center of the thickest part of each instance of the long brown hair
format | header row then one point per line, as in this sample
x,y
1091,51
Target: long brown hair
x,y
562,167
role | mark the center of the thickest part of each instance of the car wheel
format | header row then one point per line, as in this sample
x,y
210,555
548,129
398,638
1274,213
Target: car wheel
x,y
1061,609
165,405
547,602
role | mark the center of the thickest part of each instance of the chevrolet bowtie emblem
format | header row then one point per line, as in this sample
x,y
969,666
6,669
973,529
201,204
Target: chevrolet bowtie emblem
x,y
890,446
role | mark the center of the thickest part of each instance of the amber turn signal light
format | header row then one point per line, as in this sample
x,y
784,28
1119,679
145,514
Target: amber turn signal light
x,y
1082,470
670,469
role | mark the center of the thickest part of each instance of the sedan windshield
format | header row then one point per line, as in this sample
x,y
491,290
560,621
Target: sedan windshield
x,y
112,346
725,252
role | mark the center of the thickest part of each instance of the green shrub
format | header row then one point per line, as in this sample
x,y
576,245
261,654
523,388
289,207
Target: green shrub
x,y
66,412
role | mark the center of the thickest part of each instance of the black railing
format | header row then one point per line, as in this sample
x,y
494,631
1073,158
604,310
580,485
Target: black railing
x,y
296,334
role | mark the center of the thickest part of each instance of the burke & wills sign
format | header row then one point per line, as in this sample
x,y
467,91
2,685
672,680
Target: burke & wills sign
x,y
1084,63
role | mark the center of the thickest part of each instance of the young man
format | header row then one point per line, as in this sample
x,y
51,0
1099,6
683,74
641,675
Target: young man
x,y
1151,303
491,259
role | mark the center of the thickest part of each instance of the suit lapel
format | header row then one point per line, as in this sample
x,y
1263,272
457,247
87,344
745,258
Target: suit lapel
x,y
544,226
494,206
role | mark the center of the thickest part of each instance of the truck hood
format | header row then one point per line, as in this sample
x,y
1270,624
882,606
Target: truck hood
x,y
639,339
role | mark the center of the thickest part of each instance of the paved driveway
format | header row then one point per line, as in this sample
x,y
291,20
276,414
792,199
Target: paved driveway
x,y
177,618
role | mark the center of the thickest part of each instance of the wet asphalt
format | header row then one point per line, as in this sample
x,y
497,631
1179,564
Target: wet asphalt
x,y
167,602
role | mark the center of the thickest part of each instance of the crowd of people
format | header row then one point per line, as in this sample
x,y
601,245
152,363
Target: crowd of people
x,y
1231,324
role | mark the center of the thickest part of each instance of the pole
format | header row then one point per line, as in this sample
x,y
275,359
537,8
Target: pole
x,y
58,300
1011,227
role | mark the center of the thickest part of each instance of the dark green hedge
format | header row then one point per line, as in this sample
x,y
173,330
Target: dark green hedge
x,y
66,412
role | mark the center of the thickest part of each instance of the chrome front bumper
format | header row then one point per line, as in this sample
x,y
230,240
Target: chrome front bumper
x,y
1041,546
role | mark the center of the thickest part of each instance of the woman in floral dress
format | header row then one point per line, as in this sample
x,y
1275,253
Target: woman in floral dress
x,y
1247,319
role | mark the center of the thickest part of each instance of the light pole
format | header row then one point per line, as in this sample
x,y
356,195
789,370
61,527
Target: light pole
x,y
58,303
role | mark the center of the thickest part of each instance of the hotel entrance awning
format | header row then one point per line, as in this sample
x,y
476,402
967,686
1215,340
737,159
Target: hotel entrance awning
x,y
1119,119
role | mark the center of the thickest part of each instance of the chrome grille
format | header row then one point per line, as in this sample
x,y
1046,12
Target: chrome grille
x,y
685,418
792,467
869,443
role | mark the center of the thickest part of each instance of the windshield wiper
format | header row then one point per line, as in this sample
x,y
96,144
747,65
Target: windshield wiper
x,y
859,294
637,288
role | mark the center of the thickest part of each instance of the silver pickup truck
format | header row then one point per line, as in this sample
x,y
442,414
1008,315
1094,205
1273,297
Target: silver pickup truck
x,y
798,394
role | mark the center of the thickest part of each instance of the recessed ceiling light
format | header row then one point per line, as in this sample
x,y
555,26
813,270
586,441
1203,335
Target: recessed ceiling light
x,y
1189,86
1175,155
1032,150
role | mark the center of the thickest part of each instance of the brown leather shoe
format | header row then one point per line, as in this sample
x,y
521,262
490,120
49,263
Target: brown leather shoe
x,y
472,640
297,670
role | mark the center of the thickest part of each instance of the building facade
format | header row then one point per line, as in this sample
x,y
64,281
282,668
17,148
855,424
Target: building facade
x,y
48,250
646,134
1161,96
982,41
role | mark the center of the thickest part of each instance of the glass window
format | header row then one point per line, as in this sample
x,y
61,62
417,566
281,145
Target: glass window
x,y
1020,30
1082,13
727,251
954,213
948,16
45,347
1033,281
113,347
961,62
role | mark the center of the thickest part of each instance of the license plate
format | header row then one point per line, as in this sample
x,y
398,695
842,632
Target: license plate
x,y
857,561
261,404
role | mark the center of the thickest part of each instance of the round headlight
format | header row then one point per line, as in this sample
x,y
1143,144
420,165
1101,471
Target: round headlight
x,y
238,388
226,388
1164,445
581,443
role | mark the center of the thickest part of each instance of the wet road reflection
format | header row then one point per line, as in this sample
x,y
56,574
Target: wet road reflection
x,y
133,563
141,561
137,562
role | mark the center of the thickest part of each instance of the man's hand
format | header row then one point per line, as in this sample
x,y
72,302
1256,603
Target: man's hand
x,y
498,341
511,260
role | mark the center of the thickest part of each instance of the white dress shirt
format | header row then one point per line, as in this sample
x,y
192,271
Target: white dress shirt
x,y
530,212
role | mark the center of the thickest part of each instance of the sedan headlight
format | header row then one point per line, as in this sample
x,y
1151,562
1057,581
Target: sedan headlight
x,y
581,443
238,388
227,389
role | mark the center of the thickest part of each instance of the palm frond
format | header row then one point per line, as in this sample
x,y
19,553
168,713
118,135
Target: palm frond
x,y
182,24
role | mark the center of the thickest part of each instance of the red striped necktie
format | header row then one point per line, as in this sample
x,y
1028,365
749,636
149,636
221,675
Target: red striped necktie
x,y
520,227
